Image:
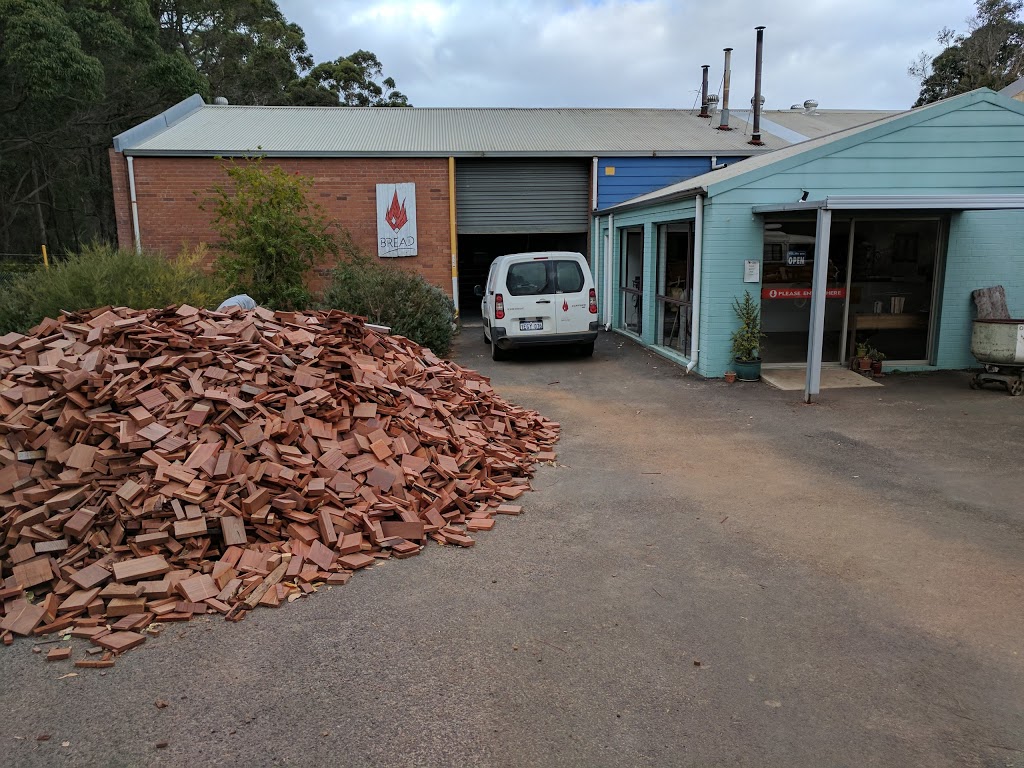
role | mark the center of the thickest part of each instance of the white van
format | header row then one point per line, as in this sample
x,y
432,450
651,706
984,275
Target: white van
x,y
539,298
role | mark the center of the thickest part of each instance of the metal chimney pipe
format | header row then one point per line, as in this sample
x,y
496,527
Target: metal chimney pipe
x,y
755,136
724,125
704,91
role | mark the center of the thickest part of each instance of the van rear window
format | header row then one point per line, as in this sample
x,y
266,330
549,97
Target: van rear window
x,y
568,277
528,278
534,278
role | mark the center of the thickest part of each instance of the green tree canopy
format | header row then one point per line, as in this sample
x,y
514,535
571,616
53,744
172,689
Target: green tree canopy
x,y
989,55
250,53
74,73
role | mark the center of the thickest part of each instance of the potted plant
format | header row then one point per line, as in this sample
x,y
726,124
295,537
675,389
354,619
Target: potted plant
x,y
877,358
863,357
746,340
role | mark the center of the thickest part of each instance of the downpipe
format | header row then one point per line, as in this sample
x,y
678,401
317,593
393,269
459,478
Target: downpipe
x,y
698,259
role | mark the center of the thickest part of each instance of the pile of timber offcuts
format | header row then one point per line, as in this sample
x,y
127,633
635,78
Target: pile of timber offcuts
x,y
159,464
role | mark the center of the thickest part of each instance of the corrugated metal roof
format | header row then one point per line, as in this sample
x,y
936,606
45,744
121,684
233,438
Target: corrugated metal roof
x,y
822,122
742,167
1014,90
703,182
345,131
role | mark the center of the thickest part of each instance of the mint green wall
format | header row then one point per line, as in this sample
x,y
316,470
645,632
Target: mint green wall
x,y
649,219
976,149
986,248
972,144
732,234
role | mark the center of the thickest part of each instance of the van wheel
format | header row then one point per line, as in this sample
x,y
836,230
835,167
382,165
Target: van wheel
x,y
587,350
497,353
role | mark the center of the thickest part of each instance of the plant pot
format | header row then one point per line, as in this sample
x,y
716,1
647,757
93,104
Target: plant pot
x,y
747,370
864,364
876,367
730,377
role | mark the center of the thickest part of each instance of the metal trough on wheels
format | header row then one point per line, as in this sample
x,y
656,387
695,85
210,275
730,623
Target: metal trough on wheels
x,y
999,346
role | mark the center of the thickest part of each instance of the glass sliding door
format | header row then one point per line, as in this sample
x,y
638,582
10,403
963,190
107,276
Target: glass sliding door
x,y
674,296
631,280
892,286
787,275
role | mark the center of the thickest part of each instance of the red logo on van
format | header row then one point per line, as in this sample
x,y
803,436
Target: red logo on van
x,y
396,215
565,305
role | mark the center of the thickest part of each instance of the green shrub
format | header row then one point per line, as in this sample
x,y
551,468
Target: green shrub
x,y
272,235
390,296
746,340
101,275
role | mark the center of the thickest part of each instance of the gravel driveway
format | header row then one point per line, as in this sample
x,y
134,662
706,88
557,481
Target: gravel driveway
x,y
712,574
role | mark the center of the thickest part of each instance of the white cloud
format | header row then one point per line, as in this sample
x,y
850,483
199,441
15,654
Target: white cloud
x,y
633,53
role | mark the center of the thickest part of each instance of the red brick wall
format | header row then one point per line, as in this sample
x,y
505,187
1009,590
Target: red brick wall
x,y
122,199
169,216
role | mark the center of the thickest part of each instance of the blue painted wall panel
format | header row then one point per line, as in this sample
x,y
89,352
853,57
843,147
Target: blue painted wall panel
x,y
640,175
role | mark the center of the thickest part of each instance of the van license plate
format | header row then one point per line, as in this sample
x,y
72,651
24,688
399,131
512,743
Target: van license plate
x,y
528,325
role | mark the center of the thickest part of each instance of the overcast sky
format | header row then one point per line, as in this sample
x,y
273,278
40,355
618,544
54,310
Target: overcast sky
x,y
633,53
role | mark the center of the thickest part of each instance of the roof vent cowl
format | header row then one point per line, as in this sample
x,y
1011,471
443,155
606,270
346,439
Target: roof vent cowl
x,y
220,101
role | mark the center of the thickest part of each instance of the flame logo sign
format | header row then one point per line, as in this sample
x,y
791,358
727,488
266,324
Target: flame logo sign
x,y
396,216
565,305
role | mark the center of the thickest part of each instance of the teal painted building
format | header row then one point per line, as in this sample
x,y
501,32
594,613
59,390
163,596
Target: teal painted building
x,y
884,230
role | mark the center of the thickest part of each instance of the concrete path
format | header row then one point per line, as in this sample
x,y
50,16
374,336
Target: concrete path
x,y
713,575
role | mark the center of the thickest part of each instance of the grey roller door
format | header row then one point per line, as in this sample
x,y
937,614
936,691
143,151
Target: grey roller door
x,y
517,196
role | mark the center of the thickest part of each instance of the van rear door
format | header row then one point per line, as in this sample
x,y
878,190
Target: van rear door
x,y
529,298
572,296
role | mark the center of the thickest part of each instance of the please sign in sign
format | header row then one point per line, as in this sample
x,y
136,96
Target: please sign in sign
x,y
800,293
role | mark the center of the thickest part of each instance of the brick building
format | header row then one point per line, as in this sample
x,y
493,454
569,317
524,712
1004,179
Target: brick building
x,y
485,181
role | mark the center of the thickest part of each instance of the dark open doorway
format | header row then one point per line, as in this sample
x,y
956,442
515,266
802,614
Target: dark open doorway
x,y
476,252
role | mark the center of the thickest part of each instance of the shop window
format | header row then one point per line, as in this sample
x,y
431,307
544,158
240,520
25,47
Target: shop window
x,y
675,286
631,280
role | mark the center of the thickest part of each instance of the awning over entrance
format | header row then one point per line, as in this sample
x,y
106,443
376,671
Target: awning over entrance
x,y
825,207
901,203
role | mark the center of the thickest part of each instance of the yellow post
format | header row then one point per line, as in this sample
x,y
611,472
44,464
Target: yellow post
x,y
46,259
453,234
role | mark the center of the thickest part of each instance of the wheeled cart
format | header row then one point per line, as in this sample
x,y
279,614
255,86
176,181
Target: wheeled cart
x,y
999,346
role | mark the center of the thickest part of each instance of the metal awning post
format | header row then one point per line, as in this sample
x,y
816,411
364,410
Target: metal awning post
x,y
816,334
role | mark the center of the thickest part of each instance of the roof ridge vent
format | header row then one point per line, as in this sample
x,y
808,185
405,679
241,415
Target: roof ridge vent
x,y
810,107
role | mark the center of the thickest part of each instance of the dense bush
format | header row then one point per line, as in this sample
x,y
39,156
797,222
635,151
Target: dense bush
x,y
272,235
101,275
388,295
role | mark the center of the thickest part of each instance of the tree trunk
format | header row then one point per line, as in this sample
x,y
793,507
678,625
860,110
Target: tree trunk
x,y
39,205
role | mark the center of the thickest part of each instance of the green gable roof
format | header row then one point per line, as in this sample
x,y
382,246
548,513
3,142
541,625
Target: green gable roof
x,y
754,168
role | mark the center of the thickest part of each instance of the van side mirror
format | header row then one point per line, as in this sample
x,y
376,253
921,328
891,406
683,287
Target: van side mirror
x,y
478,290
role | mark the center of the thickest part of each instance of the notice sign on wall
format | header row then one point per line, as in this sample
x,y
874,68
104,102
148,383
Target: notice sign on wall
x,y
800,293
396,220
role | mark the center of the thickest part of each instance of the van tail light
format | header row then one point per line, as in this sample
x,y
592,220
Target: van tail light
x,y
593,301
499,307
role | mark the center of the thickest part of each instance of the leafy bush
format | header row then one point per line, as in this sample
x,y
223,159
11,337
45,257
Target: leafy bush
x,y
101,275
390,296
273,236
